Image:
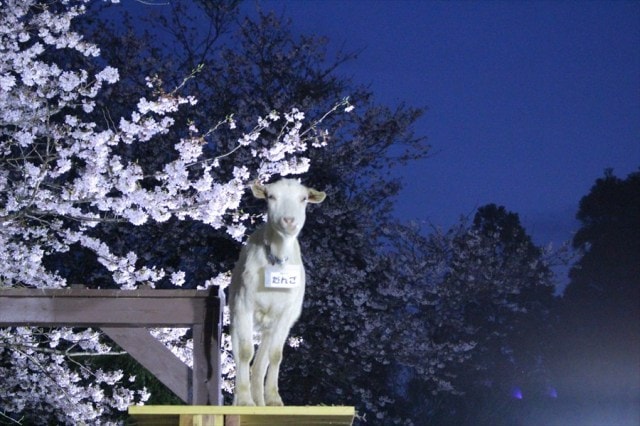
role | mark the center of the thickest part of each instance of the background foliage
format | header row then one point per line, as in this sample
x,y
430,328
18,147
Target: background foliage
x,y
457,326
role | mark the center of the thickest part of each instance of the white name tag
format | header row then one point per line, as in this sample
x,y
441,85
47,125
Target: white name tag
x,y
285,276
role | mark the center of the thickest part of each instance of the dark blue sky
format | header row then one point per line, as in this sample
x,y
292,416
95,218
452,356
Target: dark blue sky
x,y
528,102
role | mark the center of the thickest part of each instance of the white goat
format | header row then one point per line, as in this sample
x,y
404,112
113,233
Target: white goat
x,y
267,289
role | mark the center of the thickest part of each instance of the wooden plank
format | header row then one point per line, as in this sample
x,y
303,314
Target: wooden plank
x,y
178,420
297,410
160,420
155,357
94,308
287,420
253,416
100,293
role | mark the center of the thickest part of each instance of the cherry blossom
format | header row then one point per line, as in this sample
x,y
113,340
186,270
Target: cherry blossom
x,y
61,173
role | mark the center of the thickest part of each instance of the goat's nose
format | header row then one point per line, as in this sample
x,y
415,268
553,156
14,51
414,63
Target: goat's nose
x,y
289,221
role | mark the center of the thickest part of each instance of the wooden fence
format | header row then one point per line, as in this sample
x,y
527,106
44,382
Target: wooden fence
x,y
125,316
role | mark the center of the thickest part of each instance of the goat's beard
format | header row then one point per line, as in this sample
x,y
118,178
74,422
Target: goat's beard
x,y
288,231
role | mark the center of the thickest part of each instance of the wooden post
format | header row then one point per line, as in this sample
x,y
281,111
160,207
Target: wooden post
x,y
125,315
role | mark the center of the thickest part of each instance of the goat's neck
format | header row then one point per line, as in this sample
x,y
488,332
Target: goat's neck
x,y
281,246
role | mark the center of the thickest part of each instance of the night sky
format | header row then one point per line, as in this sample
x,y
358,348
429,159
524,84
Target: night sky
x,y
527,102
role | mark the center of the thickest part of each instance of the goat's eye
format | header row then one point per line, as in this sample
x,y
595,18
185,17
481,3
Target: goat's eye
x,y
304,199
271,197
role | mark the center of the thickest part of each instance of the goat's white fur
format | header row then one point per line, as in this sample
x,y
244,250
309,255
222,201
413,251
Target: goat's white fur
x,y
271,311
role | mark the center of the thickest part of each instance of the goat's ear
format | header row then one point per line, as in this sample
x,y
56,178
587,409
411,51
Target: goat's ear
x,y
259,190
316,197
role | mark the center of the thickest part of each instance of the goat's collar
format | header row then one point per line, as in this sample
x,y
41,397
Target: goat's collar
x,y
273,260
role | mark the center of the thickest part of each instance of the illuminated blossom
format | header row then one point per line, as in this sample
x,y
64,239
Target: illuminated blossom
x,y
60,176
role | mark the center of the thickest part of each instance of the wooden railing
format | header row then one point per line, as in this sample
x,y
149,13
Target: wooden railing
x,y
125,316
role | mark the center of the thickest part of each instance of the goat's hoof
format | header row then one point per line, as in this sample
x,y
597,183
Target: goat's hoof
x,y
244,402
275,402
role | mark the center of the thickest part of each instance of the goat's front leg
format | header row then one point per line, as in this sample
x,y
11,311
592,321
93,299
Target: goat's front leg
x,y
271,393
259,368
242,344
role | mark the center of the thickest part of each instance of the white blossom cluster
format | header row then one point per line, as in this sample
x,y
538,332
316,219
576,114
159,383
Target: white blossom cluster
x,y
57,167
60,175
37,376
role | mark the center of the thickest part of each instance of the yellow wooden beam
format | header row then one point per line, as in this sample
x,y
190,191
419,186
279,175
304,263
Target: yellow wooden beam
x,y
208,415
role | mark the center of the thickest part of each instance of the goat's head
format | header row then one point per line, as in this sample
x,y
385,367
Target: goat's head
x,y
287,200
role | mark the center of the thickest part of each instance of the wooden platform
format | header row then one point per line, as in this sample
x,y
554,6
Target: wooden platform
x,y
211,415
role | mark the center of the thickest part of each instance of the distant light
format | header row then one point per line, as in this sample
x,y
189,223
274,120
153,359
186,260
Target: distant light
x,y
553,393
516,393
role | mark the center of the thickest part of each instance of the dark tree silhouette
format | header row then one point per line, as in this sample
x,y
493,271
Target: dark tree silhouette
x,y
598,363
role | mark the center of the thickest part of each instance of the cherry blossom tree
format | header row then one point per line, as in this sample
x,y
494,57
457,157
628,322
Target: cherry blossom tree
x,y
482,298
266,65
424,319
62,173
380,294
132,181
